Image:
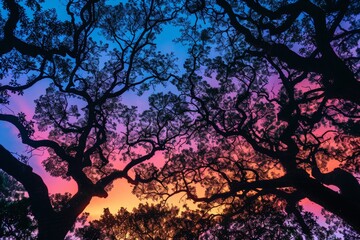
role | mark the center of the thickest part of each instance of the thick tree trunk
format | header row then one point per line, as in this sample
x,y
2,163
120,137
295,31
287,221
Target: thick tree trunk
x,y
345,207
55,229
51,225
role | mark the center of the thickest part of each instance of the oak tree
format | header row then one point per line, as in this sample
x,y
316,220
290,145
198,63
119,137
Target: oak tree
x,y
91,58
272,89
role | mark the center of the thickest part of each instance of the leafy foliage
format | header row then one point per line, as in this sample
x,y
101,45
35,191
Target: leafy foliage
x,y
86,55
16,218
260,221
264,85
265,104
145,221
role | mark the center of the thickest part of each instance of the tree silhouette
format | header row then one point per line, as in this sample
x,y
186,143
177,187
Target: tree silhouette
x,y
93,137
272,91
266,102
261,220
325,34
146,222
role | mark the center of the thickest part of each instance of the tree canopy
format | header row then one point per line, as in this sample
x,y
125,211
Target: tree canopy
x,y
260,220
262,114
264,85
87,126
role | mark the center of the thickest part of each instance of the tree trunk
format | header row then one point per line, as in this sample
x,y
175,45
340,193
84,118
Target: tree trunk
x,y
343,206
54,230
51,225
57,227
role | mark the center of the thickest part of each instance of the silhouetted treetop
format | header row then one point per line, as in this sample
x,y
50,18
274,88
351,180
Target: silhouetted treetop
x,y
261,114
86,55
272,89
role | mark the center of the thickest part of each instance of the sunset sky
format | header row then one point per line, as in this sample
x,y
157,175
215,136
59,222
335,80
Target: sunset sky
x,y
121,193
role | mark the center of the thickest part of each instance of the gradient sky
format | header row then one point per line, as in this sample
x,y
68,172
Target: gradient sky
x,y
121,195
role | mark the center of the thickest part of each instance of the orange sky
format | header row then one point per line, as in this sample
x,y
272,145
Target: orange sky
x,y
121,194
